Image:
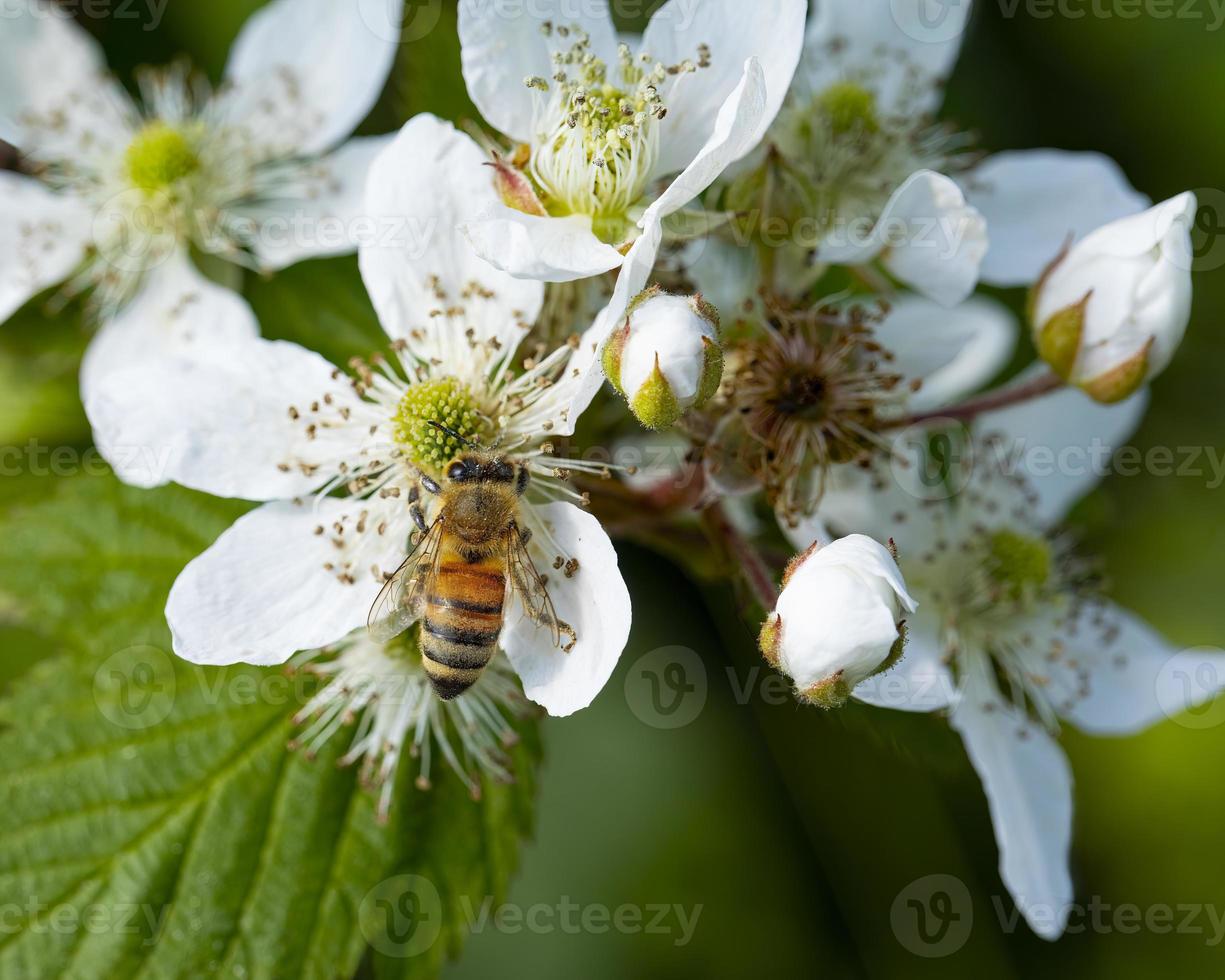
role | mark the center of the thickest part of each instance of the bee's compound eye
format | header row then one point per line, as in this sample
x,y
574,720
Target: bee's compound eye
x,y
457,471
503,472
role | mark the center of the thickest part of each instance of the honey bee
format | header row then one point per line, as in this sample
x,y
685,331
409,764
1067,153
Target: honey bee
x,y
464,569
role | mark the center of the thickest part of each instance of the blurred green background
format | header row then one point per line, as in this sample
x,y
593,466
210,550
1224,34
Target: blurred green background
x,y
795,831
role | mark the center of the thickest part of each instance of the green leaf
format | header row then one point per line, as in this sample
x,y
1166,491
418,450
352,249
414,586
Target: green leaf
x,y
157,826
155,823
92,562
40,355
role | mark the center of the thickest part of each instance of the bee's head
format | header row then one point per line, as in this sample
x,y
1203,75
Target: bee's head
x,y
477,468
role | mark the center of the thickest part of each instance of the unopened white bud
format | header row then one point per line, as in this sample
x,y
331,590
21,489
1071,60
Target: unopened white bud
x,y
839,619
1110,313
665,358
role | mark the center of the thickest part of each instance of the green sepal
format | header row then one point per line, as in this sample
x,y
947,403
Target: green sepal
x,y
712,371
1121,382
830,693
1060,337
655,404
610,356
770,638
897,651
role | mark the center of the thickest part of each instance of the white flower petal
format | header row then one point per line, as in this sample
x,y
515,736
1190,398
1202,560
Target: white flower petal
x,y
594,601
1035,201
177,311
1063,442
321,210
886,43
50,67
1136,234
261,593
926,236
1029,788
529,246
43,237
944,240
502,44
920,682
738,127
831,623
867,557
1109,673
431,179
770,31
955,352
328,60
218,419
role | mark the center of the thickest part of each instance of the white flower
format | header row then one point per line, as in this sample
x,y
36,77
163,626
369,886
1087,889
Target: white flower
x,y
855,168
1011,637
1110,313
255,173
839,618
340,459
866,168
666,357
384,690
600,123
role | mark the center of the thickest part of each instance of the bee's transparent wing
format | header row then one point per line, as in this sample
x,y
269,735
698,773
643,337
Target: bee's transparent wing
x,y
402,599
530,586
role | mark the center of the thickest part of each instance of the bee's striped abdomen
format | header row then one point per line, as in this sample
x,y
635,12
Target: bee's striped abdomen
x,y
463,619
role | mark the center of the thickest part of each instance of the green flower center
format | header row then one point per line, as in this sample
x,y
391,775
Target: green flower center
x,y
596,131
849,108
446,402
159,157
1018,564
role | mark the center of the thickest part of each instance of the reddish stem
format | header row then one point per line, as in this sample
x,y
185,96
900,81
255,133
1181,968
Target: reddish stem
x,y
754,568
990,402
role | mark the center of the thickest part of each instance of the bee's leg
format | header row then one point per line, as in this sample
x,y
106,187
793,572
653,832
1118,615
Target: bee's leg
x,y
525,534
418,516
539,613
430,484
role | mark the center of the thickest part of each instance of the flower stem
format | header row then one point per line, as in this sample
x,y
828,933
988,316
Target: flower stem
x,y
754,568
990,402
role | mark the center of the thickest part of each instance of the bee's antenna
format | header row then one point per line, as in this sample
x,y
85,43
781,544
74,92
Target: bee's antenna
x,y
455,435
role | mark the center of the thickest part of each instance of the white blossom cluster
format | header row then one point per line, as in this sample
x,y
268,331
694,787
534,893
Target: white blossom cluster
x,y
752,223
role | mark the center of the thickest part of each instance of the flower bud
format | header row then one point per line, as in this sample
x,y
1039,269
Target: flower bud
x,y
838,620
666,357
1109,313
